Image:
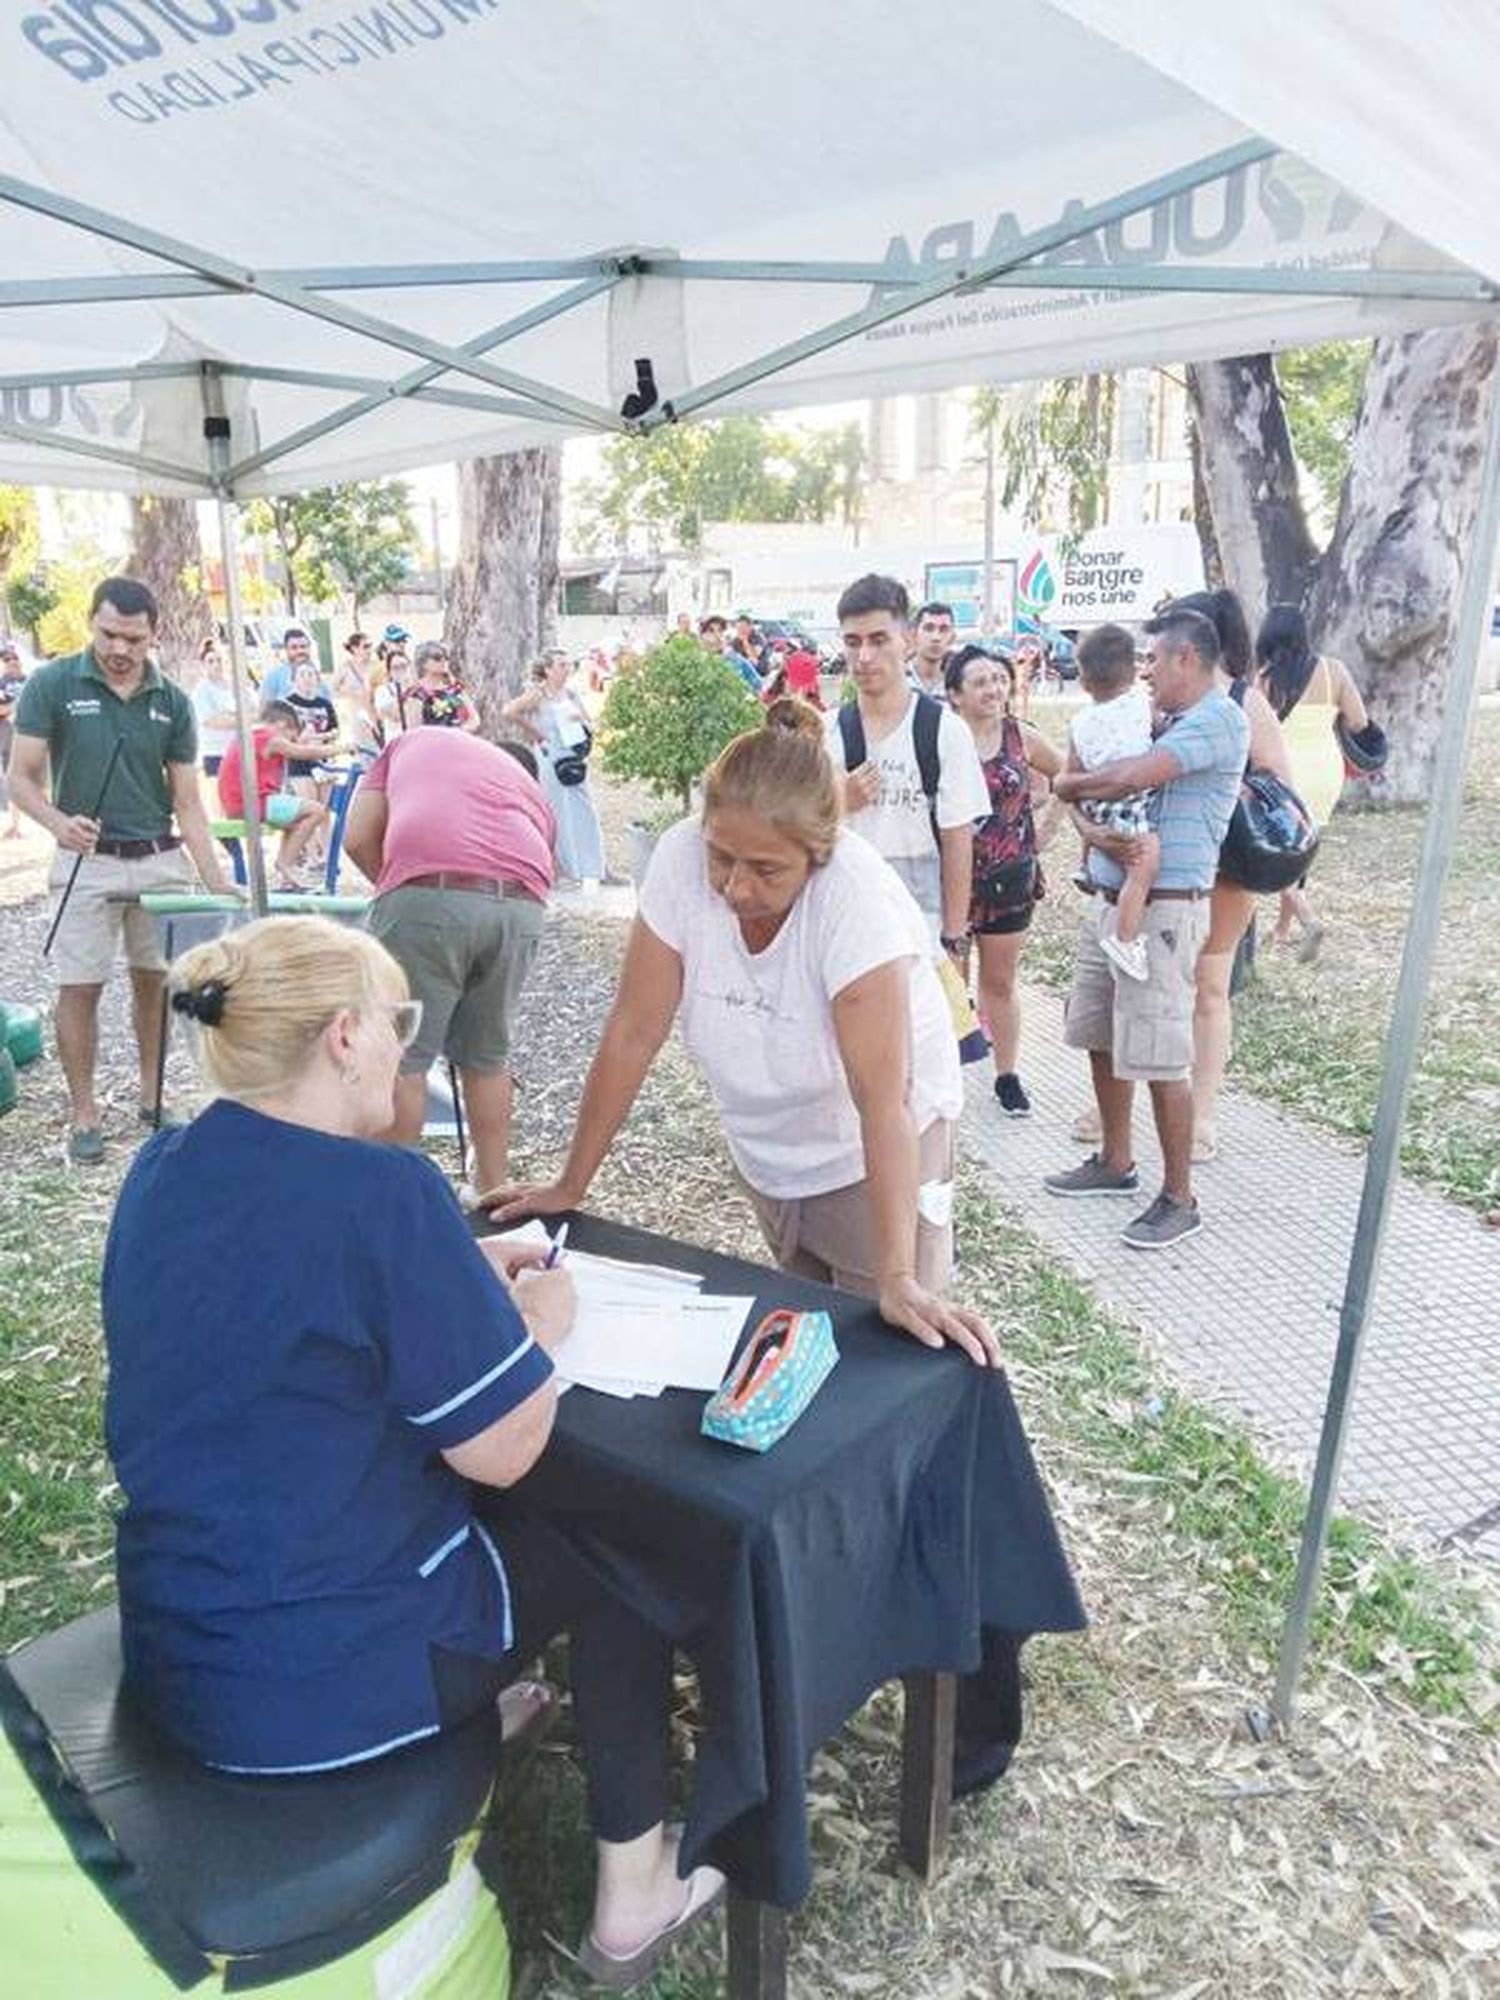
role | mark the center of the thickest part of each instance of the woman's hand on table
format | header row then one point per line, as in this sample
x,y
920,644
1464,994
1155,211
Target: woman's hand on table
x,y
519,1199
935,1322
547,1302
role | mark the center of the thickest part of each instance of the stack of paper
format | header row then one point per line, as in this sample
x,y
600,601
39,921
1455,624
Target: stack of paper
x,y
642,1328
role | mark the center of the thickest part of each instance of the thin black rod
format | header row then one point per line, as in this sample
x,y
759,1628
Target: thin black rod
x,y
109,772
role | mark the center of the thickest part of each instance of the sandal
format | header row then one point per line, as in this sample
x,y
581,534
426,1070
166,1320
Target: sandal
x,y
706,1887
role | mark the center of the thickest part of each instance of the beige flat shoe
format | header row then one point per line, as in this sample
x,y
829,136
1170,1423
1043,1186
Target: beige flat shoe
x,y
1087,1130
705,1891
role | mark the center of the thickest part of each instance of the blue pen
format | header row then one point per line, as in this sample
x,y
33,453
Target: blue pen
x,y
554,1255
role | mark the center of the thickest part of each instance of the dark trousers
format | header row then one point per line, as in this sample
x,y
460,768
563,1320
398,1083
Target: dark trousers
x,y
621,1670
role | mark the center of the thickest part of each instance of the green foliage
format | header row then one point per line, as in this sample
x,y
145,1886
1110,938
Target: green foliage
x,y
1321,389
674,480
30,595
1056,446
357,537
668,716
18,531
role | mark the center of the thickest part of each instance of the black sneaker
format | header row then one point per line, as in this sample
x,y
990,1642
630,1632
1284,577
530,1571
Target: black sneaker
x,y
1164,1223
1012,1095
1093,1177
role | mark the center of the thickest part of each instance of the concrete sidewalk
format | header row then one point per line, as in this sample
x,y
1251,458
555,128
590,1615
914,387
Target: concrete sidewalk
x,y
1247,1310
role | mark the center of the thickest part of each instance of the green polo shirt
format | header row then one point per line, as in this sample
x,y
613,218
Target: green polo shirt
x,y
71,706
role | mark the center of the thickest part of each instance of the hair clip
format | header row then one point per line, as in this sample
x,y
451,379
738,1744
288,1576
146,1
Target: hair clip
x,y
204,1003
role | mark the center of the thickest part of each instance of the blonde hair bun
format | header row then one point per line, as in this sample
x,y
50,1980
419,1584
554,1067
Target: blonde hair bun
x,y
262,995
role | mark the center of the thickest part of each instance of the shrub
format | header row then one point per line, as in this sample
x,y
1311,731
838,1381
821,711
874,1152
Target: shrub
x,y
669,714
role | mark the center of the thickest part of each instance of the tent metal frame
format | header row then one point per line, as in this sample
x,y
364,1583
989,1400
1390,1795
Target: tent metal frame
x,y
195,273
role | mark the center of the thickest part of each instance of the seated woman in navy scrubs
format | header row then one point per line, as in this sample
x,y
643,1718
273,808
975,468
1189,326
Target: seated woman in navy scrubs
x,y
305,1582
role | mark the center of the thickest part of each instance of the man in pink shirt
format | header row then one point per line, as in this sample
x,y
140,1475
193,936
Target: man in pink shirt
x,y
458,840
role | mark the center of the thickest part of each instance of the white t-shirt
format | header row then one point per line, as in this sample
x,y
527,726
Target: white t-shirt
x,y
761,1023
213,703
1105,731
898,824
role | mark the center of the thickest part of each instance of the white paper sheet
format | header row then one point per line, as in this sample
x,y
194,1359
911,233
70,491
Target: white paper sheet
x,y
677,1343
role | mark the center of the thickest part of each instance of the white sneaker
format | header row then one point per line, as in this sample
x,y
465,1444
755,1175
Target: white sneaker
x,y
1127,958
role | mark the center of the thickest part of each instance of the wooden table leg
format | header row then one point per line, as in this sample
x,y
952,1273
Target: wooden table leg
x,y
756,1935
927,1772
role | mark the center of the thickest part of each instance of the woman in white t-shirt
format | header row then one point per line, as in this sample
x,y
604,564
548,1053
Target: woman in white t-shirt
x,y
799,970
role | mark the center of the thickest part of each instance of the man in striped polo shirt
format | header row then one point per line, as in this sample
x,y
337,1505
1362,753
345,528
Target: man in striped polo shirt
x,y
1142,1031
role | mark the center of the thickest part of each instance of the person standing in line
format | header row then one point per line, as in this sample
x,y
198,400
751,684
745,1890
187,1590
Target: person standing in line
x,y
1142,1032
1232,908
74,716
213,704
458,840
556,724
438,693
1311,696
1007,869
713,631
934,636
12,680
354,686
913,786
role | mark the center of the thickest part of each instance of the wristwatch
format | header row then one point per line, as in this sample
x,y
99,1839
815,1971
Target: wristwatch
x,y
954,943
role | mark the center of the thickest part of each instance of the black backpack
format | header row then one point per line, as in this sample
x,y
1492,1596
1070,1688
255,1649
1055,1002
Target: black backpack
x,y
925,724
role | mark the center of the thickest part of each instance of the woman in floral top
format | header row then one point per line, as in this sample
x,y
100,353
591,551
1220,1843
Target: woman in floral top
x,y
1007,874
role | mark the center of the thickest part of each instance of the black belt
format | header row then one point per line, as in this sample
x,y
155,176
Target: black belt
x,y
137,850
476,885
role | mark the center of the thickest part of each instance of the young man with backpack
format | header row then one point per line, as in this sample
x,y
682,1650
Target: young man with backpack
x,y
914,786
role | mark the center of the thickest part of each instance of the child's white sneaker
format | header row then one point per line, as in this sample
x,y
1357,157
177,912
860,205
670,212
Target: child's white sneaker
x,y
1129,958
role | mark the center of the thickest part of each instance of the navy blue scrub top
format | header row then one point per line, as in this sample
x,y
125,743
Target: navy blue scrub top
x,y
297,1325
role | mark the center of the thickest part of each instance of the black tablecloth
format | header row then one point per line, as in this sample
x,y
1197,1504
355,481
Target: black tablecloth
x,y
899,1525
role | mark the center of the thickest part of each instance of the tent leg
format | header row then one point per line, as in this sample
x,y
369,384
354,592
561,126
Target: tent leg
x,y
216,432
1383,1159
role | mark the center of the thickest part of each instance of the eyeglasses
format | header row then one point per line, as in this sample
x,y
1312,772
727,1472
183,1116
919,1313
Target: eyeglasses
x,y
406,1020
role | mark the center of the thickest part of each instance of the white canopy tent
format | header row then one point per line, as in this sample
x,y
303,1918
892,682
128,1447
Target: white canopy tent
x,y
252,245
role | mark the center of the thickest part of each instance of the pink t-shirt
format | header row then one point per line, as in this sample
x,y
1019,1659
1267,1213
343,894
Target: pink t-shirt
x,y
455,804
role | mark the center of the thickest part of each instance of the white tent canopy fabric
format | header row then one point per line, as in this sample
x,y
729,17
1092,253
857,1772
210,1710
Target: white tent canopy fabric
x,y
413,230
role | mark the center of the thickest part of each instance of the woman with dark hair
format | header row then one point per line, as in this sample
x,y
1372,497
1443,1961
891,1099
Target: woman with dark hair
x,y
1232,906
1310,694
1007,874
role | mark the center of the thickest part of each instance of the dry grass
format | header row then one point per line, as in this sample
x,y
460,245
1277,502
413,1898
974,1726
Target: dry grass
x,y
1142,1846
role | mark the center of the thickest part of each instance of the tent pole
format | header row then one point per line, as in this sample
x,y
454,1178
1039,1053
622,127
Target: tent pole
x,y
216,433
1383,1159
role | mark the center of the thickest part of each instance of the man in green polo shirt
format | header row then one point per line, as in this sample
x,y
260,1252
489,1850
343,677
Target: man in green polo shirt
x,y
69,718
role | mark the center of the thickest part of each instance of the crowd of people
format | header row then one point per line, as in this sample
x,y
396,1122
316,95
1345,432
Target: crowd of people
x,y
792,928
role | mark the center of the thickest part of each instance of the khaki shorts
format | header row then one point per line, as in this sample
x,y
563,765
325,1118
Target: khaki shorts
x,y
466,957
1145,1024
831,1237
88,938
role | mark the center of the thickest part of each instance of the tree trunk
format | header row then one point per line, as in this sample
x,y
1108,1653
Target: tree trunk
x,y
1203,515
167,556
502,597
1250,475
1386,602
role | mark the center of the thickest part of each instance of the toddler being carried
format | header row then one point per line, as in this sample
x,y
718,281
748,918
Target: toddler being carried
x,y
1115,724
